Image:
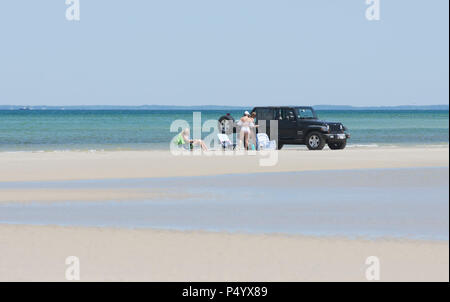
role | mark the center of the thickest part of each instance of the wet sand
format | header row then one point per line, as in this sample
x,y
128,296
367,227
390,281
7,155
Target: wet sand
x,y
371,203
37,253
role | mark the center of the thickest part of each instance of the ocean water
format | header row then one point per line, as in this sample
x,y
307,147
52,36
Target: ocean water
x,y
53,130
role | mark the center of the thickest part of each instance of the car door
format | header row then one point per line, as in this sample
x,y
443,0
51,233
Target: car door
x,y
287,124
304,116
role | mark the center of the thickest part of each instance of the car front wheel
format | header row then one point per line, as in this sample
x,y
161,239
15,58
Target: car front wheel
x,y
315,141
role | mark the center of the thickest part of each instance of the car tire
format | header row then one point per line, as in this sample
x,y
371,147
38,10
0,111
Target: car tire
x,y
315,141
226,124
338,145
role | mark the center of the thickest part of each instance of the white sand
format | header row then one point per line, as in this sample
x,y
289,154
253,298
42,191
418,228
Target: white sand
x,y
34,253
27,166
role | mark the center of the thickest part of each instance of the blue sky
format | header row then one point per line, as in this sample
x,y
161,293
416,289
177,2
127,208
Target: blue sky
x,y
224,52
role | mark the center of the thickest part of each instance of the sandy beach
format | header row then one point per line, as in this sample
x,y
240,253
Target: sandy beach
x,y
30,166
37,253
141,138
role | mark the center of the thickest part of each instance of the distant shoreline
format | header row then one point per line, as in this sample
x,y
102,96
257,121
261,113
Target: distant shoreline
x,y
213,107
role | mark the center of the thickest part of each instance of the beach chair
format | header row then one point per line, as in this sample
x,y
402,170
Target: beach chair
x,y
264,143
181,144
225,141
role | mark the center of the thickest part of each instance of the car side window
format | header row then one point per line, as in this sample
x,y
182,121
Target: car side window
x,y
264,114
278,114
304,113
287,114
258,114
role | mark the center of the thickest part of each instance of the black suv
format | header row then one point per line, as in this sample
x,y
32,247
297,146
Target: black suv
x,y
296,126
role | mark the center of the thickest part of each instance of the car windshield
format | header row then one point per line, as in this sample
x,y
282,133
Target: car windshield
x,y
306,113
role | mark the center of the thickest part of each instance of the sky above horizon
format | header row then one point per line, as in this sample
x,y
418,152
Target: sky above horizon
x,y
234,52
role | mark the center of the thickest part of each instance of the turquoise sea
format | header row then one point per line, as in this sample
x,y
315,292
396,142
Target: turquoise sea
x,y
53,130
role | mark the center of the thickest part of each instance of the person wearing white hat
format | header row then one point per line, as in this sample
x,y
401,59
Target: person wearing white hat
x,y
245,123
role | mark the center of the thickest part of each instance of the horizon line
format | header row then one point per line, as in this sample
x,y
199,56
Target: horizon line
x,y
211,105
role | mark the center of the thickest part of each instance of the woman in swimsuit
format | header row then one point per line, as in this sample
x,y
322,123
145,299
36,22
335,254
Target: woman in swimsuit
x,y
246,123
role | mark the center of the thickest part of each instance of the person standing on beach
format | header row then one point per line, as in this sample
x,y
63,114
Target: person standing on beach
x,y
253,126
245,123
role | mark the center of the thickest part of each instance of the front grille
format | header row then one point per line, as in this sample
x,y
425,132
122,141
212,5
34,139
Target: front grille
x,y
335,128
